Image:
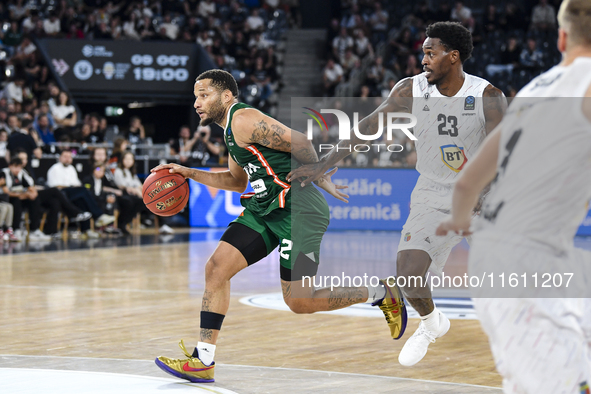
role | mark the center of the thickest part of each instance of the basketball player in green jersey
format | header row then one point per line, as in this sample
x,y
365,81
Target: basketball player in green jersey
x,y
262,152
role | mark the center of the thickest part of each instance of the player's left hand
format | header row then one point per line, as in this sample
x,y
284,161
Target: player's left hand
x,y
455,226
307,173
325,183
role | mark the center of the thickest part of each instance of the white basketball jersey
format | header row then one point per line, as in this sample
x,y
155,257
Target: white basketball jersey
x,y
544,166
449,129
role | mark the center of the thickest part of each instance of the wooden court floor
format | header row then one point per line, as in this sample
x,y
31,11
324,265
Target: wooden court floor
x,y
135,303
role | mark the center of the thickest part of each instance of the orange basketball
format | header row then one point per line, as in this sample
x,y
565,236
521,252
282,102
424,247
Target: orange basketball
x,y
165,194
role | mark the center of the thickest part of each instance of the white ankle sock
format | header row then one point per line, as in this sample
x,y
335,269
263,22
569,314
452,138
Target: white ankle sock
x,y
431,321
206,352
376,292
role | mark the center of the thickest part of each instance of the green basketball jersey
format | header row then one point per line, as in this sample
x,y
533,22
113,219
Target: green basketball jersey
x,y
266,169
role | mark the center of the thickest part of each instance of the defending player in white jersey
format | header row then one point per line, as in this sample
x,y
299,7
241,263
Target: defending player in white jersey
x,y
540,159
455,112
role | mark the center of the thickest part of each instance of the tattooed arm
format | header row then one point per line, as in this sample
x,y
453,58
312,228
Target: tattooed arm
x,y
399,100
495,105
253,127
235,179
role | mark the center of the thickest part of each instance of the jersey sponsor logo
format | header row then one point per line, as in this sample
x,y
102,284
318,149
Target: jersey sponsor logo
x,y
426,108
453,156
469,103
258,186
250,169
426,96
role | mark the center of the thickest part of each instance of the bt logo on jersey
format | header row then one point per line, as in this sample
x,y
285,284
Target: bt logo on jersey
x,y
345,129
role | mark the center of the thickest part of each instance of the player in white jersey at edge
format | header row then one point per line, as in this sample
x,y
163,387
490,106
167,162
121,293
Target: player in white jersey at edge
x,y
540,160
455,111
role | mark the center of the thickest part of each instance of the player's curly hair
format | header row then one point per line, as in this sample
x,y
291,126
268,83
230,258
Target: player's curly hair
x,y
220,79
453,36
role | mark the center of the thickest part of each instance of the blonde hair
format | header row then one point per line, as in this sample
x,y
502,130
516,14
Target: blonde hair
x,y
574,16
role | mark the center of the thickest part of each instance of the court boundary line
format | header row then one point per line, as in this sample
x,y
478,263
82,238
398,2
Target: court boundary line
x,y
175,381
276,368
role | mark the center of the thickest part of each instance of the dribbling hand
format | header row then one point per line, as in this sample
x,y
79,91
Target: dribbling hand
x,y
173,169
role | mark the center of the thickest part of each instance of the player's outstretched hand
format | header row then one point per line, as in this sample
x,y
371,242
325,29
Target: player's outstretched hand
x,y
173,169
451,225
325,183
307,173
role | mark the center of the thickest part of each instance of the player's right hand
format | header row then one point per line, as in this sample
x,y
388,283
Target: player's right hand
x,y
173,169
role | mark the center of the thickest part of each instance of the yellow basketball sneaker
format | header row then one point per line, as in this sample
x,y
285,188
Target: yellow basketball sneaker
x,y
394,309
190,368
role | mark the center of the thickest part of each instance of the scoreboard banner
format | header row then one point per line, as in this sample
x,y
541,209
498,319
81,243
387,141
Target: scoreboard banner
x,y
379,200
124,66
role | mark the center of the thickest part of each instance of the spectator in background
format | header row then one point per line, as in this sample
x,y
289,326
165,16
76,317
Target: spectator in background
x,y
30,21
531,58
204,152
513,18
119,147
129,27
543,17
3,147
332,33
64,176
136,134
25,52
254,22
52,25
402,44
44,130
423,15
64,112
348,61
341,43
509,59
171,29
332,76
363,47
14,90
412,67
44,110
20,139
22,194
55,202
6,214
206,8
127,180
115,28
182,145
13,123
96,134
12,38
106,194
262,77
491,20
463,14
378,22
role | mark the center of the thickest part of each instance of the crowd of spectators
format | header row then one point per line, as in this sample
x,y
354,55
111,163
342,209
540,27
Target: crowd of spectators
x,y
37,117
240,36
377,43
374,44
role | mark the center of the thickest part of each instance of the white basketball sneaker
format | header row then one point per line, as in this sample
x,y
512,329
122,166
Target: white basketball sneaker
x,y
417,345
